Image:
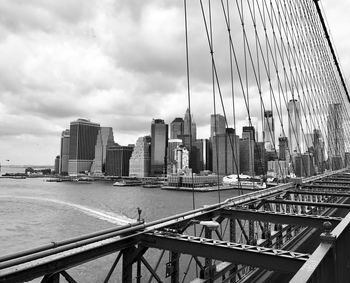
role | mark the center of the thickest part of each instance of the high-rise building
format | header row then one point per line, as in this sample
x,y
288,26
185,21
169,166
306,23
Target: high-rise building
x,y
217,125
249,132
177,128
83,134
182,159
225,157
104,139
283,148
171,161
64,156
117,160
190,127
57,164
260,161
159,134
294,126
319,151
336,144
269,131
200,156
140,160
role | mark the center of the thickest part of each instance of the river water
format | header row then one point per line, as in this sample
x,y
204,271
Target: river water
x,y
34,212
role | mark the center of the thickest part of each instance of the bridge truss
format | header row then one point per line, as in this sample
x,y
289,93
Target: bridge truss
x,y
296,231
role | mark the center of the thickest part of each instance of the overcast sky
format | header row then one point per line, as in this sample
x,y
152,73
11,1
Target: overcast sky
x,y
117,63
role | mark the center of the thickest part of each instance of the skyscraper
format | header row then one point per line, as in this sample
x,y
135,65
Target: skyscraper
x,y
269,131
117,160
104,139
182,159
246,151
176,128
64,155
217,125
83,134
294,126
336,145
159,134
249,132
171,162
140,160
190,127
319,151
283,148
225,153
200,156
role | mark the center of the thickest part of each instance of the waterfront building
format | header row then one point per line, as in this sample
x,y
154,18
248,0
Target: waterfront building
x,y
336,145
294,126
117,160
64,155
217,125
182,159
177,128
140,160
225,157
171,161
159,134
83,134
57,164
303,165
104,139
269,131
190,127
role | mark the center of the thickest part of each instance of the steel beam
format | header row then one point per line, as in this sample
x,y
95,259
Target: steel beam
x,y
309,203
306,192
279,260
64,260
280,217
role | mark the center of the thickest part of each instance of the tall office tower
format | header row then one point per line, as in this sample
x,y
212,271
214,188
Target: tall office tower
x,y
319,151
140,160
83,134
190,127
57,164
104,139
225,157
117,160
246,151
260,161
249,132
283,148
182,159
309,142
159,134
336,145
217,125
294,126
64,157
200,155
177,128
269,131
171,162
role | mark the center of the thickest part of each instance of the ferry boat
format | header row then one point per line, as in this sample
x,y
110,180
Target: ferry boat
x,y
245,182
128,182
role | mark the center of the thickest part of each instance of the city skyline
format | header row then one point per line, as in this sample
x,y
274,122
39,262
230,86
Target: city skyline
x,y
71,69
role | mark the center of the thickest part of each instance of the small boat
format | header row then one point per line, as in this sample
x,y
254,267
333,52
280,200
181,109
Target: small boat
x,y
82,180
243,182
128,182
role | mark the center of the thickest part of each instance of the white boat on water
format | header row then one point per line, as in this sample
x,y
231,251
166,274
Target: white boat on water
x,y
128,182
243,182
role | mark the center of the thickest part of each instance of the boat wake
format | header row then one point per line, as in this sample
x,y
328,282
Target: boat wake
x,y
97,213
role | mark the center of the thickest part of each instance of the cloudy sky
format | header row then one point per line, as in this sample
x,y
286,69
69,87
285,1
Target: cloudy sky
x,y
116,62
